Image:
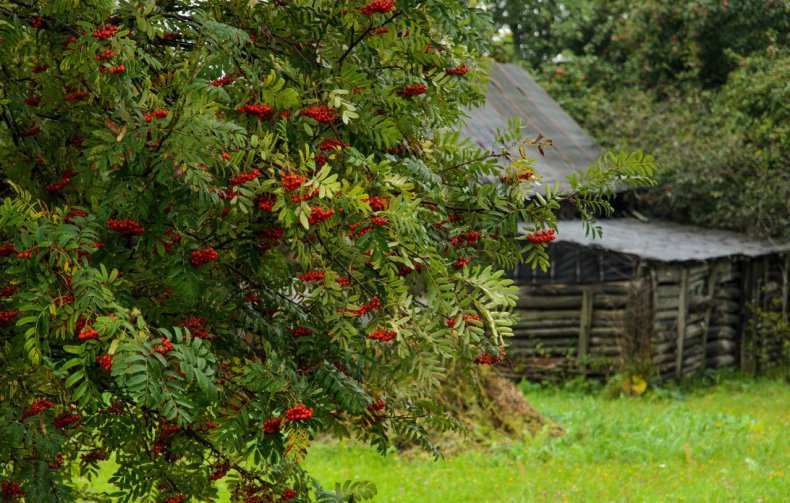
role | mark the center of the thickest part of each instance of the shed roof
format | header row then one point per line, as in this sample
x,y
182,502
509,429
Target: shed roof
x,y
667,241
513,93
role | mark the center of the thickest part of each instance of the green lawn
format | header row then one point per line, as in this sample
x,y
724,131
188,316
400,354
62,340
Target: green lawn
x,y
726,443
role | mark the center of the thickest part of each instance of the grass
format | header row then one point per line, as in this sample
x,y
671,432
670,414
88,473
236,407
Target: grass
x,y
728,442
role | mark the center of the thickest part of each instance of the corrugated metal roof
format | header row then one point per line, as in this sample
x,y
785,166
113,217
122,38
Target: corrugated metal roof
x,y
667,241
513,93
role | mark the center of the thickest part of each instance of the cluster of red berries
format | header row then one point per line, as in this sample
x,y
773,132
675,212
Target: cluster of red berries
x,y
219,471
66,420
195,325
272,425
106,54
72,214
377,203
466,317
487,359
298,413
104,362
514,179
58,462
175,238
205,256
88,333
156,114
306,197
33,101
292,182
252,299
542,236
380,31
320,159
301,332
114,70
320,113
406,270
165,347
266,203
176,499
374,303
244,178
53,187
288,494
38,406
36,22
318,215
344,281
284,115
377,405
461,262
7,250
382,335
272,233
77,96
7,316
105,33
461,70
128,227
332,144
413,90
469,238
380,221
225,156
8,291
264,112
223,81
377,7
31,131
11,490
312,276
94,455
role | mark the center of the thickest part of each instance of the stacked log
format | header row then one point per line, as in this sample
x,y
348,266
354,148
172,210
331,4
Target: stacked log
x,y
550,324
725,317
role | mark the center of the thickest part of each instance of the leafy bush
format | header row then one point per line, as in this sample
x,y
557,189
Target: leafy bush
x,y
229,226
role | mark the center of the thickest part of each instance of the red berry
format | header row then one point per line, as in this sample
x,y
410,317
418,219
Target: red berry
x,y
382,335
205,256
105,33
272,425
104,362
461,70
244,177
298,413
264,112
320,113
413,90
377,7
88,333
127,227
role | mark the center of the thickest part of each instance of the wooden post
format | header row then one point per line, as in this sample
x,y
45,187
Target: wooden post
x,y
785,286
585,323
711,294
682,313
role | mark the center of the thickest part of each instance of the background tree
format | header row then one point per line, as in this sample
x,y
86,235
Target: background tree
x,y
700,83
228,226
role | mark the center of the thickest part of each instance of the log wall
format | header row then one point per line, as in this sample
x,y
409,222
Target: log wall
x,y
670,321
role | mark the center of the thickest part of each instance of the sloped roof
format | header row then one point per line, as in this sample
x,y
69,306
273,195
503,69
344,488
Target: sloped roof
x,y
513,93
667,241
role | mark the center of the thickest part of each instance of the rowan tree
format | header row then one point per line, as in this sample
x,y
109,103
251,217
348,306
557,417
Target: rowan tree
x,y
228,226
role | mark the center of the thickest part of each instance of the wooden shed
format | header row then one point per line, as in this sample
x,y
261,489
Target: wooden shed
x,y
659,297
662,298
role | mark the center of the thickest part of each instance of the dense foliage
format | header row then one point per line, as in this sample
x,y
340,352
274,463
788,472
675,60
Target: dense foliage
x,y
228,226
701,83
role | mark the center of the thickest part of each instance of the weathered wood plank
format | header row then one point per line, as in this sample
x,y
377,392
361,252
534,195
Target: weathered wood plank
x,y
585,324
682,312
